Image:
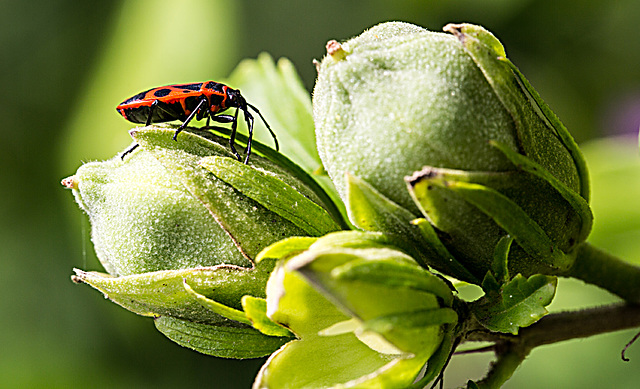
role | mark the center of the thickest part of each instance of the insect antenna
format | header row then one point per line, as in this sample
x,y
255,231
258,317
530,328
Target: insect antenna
x,y
273,135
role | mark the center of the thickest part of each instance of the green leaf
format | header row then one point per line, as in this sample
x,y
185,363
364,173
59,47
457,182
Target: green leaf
x,y
256,311
520,303
273,194
284,102
222,338
163,293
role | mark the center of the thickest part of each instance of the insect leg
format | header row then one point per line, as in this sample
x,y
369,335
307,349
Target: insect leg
x,y
249,119
234,125
223,118
232,139
202,102
152,109
129,150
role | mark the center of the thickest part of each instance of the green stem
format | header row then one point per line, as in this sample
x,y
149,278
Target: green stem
x,y
558,327
607,271
502,369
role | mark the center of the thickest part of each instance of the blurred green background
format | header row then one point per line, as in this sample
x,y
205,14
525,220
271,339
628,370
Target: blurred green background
x,y
66,65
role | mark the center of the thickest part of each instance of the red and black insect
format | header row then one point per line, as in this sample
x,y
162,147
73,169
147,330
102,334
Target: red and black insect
x,y
187,101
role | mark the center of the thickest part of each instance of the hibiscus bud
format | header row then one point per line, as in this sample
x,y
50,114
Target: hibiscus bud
x,y
451,108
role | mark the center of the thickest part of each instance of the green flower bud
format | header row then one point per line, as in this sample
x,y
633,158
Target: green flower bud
x,y
178,225
189,204
399,99
354,301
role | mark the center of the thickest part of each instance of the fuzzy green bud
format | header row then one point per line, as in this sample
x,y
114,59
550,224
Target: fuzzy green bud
x,y
401,99
178,225
190,204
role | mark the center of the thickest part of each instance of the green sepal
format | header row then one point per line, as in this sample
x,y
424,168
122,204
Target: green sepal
x,y
273,194
339,362
277,89
222,338
499,273
163,293
214,306
438,250
412,320
370,210
319,184
286,248
255,309
490,285
503,211
501,257
394,274
438,361
472,385
364,300
355,239
576,201
559,127
520,303
508,215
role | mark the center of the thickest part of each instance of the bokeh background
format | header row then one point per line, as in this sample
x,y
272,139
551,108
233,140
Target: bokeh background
x,y
66,64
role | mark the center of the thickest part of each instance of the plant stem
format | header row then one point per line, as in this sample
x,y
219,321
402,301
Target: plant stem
x,y
607,271
563,326
512,350
502,369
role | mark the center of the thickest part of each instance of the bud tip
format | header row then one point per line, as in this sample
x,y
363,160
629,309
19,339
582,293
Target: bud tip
x,y
455,29
335,50
70,182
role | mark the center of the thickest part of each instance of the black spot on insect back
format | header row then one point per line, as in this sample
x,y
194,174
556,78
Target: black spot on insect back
x,y
192,87
162,92
214,86
138,97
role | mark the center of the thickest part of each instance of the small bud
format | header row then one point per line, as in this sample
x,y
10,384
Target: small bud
x,y
335,50
70,182
352,300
